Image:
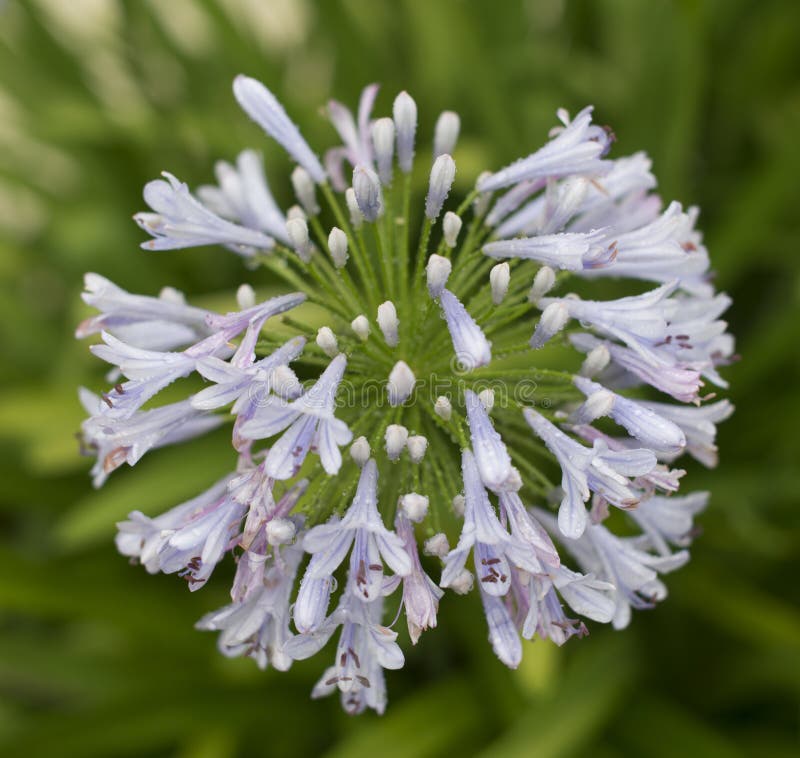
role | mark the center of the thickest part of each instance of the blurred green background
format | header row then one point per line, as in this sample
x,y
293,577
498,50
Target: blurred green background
x,y
99,659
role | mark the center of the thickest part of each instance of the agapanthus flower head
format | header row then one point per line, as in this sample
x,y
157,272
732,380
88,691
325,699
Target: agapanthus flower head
x,y
464,376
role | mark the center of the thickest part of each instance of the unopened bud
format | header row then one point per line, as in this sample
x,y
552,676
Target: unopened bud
x,y
437,271
356,217
359,451
172,295
369,196
400,384
552,321
487,399
445,134
285,383
326,339
597,405
417,445
360,325
542,283
443,172
395,438
337,244
389,323
499,279
436,546
443,408
463,583
245,297
297,231
296,211
414,506
383,147
458,505
280,531
596,360
451,226
405,123
305,190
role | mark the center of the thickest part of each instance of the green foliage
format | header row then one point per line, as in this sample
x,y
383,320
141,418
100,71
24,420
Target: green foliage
x,y
100,659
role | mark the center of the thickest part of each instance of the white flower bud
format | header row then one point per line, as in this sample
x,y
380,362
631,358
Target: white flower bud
x,y
487,399
481,203
245,297
389,323
414,506
337,244
443,172
405,123
285,383
369,196
459,502
438,270
280,531
442,408
542,283
395,438
417,445
596,360
463,583
172,295
326,339
383,147
597,405
360,325
359,451
305,190
451,226
445,134
356,218
296,212
297,230
499,279
554,318
436,546
400,384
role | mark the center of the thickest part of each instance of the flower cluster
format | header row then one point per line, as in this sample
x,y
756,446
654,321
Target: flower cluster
x,y
470,306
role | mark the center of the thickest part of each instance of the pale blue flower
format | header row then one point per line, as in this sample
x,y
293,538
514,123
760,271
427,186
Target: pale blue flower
x,y
369,195
152,323
660,370
356,136
366,331
259,625
669,520
640,321
179,220
576,148
650,428
443,173
262,106
596,469
698,424
372,545
568,251
494,549
115,441
308,421
503,634
243,196
471,347
421,596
